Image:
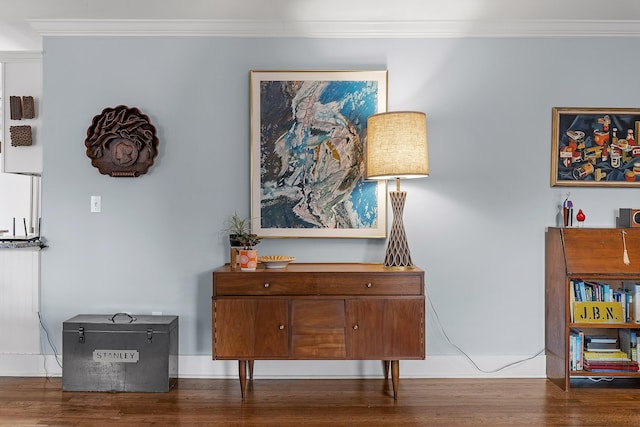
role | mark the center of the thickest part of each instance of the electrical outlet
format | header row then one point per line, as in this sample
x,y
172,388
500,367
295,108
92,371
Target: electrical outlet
x,y
96,204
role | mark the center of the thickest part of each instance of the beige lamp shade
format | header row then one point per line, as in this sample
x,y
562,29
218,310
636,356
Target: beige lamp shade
x,y
397,145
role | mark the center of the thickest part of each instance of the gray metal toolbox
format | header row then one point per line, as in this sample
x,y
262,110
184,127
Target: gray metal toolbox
x,y
120,352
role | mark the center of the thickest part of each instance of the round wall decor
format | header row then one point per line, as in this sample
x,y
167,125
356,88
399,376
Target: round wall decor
x,y
122,142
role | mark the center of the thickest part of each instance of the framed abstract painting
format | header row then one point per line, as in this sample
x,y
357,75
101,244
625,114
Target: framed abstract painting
x,y
308,136
595,147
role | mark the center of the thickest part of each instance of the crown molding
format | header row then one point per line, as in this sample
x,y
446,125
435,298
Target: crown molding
x,y
337,29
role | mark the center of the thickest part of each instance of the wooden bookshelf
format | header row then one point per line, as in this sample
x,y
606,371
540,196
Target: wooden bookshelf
x,y
588,254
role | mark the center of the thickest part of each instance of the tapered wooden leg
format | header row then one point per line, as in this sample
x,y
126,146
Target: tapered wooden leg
x,y
386,363
242,369
251,370
395,376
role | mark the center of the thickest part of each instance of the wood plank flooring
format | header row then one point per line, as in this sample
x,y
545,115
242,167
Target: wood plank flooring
x,y
367,402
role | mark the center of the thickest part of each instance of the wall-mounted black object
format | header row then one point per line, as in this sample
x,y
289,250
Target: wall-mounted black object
x,y
122,142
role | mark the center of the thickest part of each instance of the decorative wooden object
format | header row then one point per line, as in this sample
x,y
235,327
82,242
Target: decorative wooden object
x,y
122,142
28,107
318,311
586,254
21,136
15,108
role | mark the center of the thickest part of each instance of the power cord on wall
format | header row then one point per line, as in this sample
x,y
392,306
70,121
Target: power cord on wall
x,y
444,333
598,379
51,344
433,309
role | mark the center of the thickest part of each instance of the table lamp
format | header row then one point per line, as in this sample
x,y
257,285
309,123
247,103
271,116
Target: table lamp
x,y
397,148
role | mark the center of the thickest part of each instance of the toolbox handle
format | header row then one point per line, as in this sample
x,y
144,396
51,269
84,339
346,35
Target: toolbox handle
x,y
131,318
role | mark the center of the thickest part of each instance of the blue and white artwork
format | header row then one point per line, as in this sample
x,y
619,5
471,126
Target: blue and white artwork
x,y
312,135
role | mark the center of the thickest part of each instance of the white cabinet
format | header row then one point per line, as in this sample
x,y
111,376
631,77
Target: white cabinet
x,y
19,301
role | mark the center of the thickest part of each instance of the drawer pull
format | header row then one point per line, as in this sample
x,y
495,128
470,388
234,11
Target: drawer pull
x,y
369,285
281,327
355,327
266,285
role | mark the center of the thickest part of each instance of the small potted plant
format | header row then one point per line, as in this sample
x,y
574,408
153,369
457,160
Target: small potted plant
x,y
242,243
248,256
237,226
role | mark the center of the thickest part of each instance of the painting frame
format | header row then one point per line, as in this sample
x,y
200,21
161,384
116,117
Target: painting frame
x,y
308,132
590,147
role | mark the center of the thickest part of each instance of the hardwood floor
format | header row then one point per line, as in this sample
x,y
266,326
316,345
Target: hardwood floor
x,y
421,402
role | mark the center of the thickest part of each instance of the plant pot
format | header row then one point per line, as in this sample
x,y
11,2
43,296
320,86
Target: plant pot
x,y
235,245
248,259
234,241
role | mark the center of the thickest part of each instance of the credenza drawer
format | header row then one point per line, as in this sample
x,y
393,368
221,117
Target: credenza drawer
x,y
261,285
239,284
367,284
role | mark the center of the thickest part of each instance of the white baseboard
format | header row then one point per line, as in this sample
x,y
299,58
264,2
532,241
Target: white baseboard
x,y
29,365
201,366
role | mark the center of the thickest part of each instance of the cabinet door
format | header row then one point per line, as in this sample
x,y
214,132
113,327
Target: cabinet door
x,y
250,328
385,329
317,329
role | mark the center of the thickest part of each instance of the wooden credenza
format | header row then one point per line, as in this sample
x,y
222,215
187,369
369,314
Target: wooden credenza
x,y
339,311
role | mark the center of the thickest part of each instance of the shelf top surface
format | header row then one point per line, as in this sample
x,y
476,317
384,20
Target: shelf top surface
x,y
341,268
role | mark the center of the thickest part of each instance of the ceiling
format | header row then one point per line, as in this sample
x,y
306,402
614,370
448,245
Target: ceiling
x,y
24,22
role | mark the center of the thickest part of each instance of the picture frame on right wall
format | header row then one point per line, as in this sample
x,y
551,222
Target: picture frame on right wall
x,y
595,147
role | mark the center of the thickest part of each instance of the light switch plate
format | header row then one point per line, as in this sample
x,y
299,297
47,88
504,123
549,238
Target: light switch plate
x,y
96,204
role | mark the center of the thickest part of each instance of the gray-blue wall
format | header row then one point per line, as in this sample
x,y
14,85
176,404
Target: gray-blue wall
x,y
476,225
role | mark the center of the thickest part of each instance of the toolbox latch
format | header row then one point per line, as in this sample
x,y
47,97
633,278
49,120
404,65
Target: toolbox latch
x,y
149,335
81,334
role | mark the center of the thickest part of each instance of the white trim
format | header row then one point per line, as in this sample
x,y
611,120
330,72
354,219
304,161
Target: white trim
x,y
36,365
26,56
337,29
29,365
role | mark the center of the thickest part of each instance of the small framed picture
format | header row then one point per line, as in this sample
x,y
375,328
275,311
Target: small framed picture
x,y
595,147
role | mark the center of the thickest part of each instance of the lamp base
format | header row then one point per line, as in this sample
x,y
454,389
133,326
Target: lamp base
x,y
398,255
399,268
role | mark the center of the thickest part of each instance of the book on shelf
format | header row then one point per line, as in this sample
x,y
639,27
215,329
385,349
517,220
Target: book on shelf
x,y
601,340
579,290
595,342
621,365
614,367
576,349
572,301
596,346
602,350
611,363
629,343
591,291
633,289
598,302
615,355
